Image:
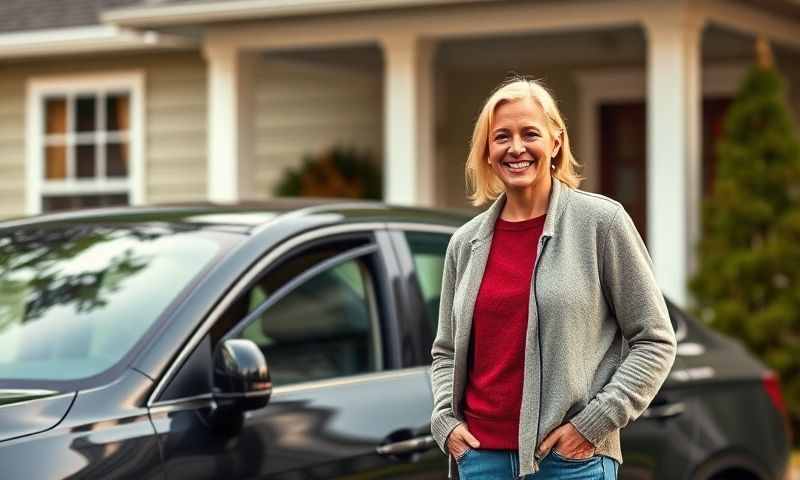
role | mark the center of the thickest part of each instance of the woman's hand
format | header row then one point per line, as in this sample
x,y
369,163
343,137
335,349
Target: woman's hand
x,y
460,440
568,442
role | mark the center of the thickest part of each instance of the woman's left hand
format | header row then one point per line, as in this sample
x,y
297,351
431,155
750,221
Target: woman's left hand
x,y
568,441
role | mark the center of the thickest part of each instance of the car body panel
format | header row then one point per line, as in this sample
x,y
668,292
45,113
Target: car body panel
x,y
317,430
29,412
106,434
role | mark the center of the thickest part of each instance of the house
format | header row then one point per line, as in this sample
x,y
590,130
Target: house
x,y
106,102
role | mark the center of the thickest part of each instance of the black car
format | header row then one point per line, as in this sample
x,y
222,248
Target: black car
x,y
288,340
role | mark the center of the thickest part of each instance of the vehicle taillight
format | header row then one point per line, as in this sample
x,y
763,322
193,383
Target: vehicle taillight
x,y
772,385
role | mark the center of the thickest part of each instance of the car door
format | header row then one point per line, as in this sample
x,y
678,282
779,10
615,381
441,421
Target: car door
x,y
323,314
421,251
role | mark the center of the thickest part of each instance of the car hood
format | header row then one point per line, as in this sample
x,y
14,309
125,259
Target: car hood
x,y
25,412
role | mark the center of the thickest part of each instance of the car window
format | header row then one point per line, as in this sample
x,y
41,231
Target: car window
x,y
74,299
325,325
428,251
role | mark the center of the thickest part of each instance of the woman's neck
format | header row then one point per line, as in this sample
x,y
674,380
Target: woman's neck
x,y
524,204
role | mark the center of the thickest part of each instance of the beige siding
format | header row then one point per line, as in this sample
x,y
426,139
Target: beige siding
x,y
305,108
12,146
175,121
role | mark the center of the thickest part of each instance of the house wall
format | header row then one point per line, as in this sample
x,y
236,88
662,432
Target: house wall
x,y
305,107
175,121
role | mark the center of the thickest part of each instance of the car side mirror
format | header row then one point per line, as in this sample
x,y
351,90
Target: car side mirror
x,y
241,376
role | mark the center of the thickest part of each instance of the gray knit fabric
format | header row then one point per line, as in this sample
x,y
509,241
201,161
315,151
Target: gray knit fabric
x,y
607,344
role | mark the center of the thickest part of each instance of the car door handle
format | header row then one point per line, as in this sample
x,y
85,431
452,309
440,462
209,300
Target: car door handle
x,y
665,410
405,447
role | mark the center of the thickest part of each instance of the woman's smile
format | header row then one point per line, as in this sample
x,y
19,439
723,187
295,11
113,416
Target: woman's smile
x,y
517,166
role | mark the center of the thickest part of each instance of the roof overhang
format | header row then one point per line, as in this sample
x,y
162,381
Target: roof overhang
x,y
209,12
91,39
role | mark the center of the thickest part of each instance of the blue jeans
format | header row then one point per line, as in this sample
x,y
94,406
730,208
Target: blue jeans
x,y
504,465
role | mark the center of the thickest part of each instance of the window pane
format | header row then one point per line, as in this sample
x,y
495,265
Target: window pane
x,y
54,203
322,329
71,297
84,156
85,114
55,115
117,112
55,162
116,159
428,250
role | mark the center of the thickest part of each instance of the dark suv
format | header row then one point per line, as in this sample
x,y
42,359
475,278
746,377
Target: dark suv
x,y
288,340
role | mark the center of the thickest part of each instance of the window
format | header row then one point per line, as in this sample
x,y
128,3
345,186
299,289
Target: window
x,y
315,316
428,251
84,137
71,296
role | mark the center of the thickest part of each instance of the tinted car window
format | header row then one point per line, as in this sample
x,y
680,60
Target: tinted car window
x,y
75,299
428,251
325,327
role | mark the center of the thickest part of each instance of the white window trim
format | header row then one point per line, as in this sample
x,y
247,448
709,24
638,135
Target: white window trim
x,y
630,84
37,88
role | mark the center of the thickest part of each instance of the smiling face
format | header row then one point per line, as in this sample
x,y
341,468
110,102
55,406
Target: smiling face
x,y
521,145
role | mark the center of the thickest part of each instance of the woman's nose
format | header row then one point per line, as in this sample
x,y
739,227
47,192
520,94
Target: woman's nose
x,y
517,148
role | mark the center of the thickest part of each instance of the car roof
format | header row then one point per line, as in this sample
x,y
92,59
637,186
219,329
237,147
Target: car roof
x,y
249,216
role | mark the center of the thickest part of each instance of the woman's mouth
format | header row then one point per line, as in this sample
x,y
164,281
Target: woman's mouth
x,y
519,166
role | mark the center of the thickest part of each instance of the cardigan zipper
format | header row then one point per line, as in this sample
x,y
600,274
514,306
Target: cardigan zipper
x,y
543,243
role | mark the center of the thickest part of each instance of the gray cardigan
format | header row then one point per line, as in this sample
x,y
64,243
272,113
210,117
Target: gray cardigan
x,y
599,341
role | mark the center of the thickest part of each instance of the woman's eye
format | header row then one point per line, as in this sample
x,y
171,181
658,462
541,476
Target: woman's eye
x,y
500,138
531,135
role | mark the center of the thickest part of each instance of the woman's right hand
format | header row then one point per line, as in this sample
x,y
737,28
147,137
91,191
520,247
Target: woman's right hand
x,y
460,440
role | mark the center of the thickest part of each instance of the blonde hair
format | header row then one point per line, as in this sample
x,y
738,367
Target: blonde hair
x,y
480,177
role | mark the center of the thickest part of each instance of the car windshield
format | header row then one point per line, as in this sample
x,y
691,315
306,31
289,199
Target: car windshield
x,y
75,299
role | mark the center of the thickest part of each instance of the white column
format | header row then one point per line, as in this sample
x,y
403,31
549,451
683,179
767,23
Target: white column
x,y
673,146
409,168
230,123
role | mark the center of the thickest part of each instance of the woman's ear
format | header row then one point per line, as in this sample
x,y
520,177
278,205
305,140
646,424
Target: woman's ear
x,y
556,144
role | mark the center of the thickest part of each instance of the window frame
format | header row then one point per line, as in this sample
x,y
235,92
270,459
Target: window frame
x,y
373,300
418,326
71,86
384,273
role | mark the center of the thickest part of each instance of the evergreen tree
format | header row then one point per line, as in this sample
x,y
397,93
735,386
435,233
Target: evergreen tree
x,y
748,279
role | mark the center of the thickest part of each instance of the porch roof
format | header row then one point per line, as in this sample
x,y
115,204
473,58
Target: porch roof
x,y
182,12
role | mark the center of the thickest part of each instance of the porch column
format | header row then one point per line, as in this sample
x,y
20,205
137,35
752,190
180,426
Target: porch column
x,y
230,123
673,146
409,159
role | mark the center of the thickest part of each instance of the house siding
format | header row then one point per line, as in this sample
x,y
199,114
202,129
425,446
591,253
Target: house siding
x,y
12,147
305,108
175,121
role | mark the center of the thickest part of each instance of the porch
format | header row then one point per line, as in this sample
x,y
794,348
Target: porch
x,y
637,82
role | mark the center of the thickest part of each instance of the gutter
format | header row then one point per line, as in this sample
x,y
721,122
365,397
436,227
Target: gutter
x,y
89,39
206,12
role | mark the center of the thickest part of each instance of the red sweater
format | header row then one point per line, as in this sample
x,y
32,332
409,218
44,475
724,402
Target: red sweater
x,y
493,395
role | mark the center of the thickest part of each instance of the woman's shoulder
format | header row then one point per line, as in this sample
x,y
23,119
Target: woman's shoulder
x,y
468,230
593,204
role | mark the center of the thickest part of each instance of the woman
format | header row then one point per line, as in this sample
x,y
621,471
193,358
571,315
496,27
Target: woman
x,y
553,334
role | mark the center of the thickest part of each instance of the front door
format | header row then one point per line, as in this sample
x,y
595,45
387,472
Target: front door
x,y
623,153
